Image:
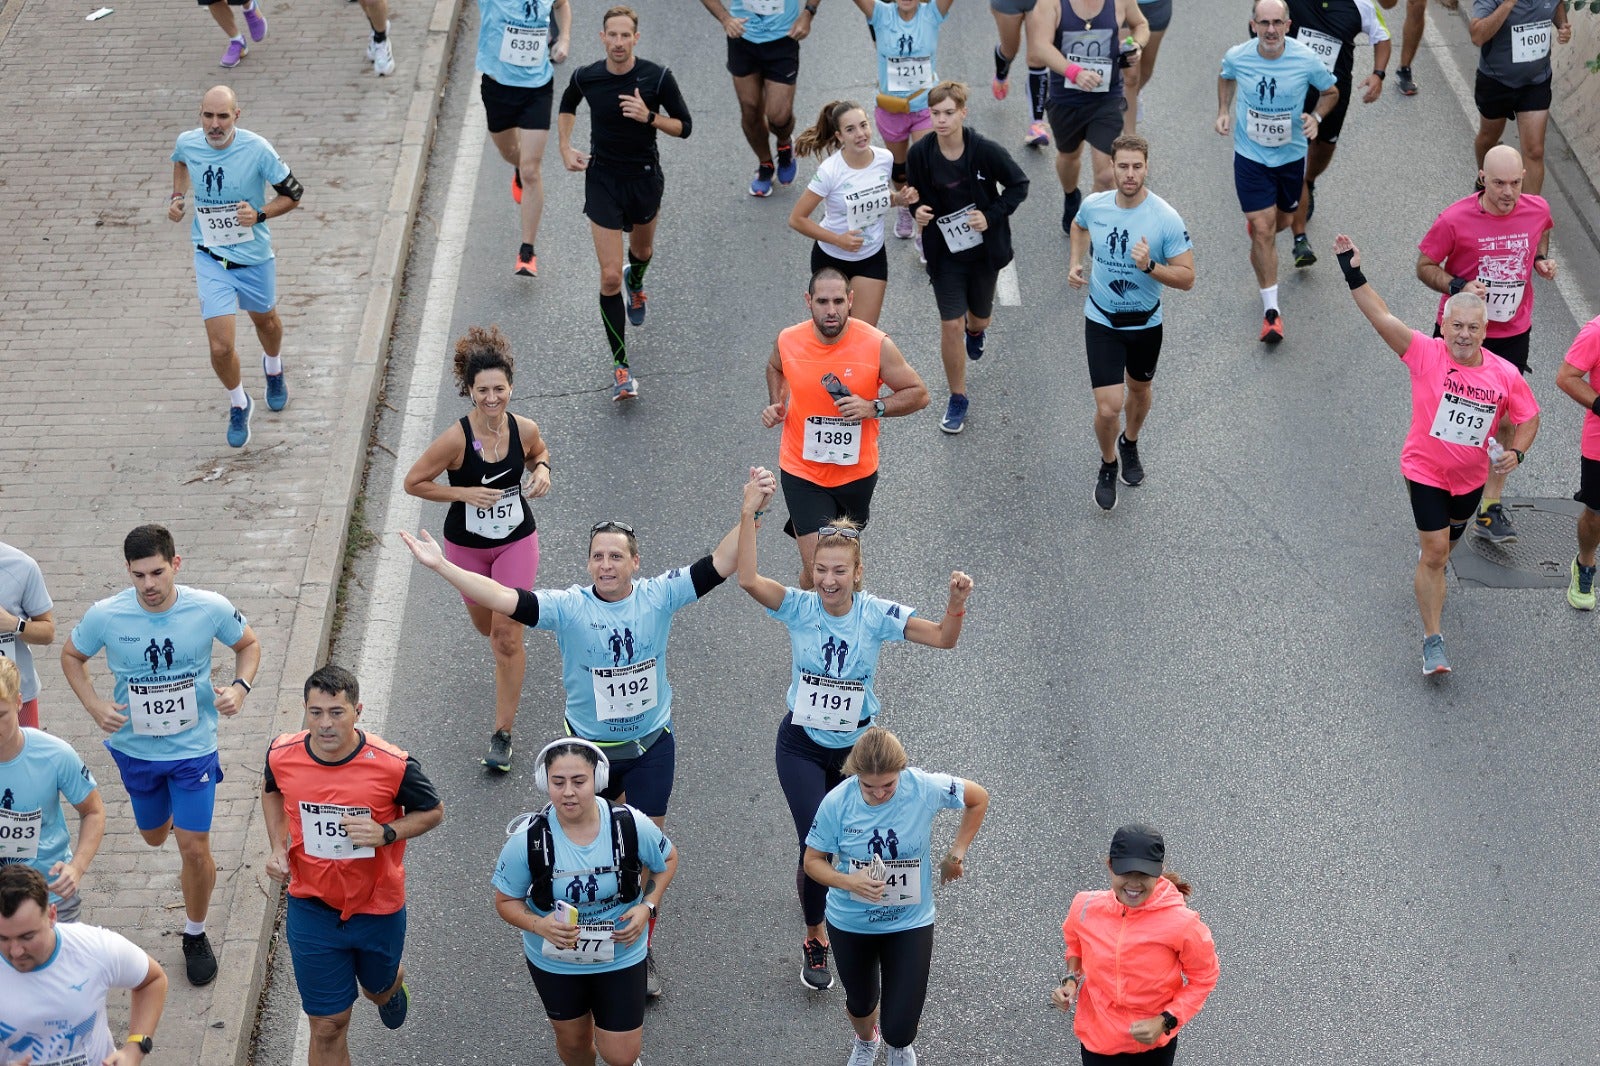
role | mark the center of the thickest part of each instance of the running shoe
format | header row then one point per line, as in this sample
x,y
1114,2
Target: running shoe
x,y
761,185
787,167
955,414
1038,135
922,255
1271,327
382,57
393,1010
975,343
1311,199
1580,593
636,297
256,22
1494,525
1069,209
903,1056
527,263
904,224
1001,87
199,964
516,185
499,757
1433,660
652,978
1132,468
814,972
1402,80
1105,486
239,426
1303,255
277,389
865,1052
235,51
627,386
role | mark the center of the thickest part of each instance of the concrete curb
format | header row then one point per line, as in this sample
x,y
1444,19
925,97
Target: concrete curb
x,y
251,902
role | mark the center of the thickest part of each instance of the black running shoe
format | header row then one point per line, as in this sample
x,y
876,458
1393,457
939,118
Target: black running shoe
x,y
198,961
1105,486
1132,468
814,972
499,757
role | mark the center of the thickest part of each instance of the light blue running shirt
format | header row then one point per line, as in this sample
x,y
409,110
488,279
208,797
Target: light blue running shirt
x,y
834,660
900,832
514,42
1270,99
614,655
1116,284
31,787
906,51
220,179
584,877
162,666
765,20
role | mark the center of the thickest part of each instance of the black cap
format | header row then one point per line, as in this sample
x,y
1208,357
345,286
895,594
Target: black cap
x,y
1138,849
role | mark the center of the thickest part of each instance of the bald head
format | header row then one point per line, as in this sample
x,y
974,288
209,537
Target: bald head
x,y
219,110
1502,179
1503,161
219,98
1270,9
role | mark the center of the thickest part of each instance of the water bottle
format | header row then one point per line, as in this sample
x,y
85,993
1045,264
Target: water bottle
x,y
1495,451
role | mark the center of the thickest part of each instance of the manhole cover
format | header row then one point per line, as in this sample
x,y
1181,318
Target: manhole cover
x,y
1541,558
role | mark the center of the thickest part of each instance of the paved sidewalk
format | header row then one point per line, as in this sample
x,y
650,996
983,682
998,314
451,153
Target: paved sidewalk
x,y
110,415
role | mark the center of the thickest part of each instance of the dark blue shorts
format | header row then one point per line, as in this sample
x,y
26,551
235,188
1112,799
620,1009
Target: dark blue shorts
x,y
330,956
1260,186
647,780
183,790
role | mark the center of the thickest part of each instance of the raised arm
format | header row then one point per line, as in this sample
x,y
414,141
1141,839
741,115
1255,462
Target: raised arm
x,y
499,598
765,591
761,487
945,632
1395,333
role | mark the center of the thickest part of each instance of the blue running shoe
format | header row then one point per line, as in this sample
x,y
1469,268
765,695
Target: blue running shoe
x,y
955,414
787,167
394,1009
975,344
761,185
277,389
239,422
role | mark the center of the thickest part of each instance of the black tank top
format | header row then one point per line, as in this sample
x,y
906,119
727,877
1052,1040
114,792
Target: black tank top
x,y
474,472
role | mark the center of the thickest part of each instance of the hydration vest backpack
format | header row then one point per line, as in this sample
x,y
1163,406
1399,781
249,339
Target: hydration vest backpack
x,y
542,850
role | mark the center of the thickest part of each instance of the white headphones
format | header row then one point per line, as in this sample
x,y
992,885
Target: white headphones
x,y
602,770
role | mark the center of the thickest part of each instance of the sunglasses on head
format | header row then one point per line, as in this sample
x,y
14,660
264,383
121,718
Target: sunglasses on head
x,y
836,531
611,527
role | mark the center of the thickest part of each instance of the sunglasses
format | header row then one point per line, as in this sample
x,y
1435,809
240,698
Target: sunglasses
x,y
835,531
611,527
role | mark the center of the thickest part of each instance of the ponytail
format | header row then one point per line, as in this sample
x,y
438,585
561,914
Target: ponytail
x,y
822,138
1178,883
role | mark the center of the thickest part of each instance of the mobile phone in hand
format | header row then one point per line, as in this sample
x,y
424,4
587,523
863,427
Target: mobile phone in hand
x,y
835,387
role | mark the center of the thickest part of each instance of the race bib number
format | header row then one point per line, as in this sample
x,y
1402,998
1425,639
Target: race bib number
x,y
764,8
1463,421
957,229
19,834
864,207
902,882
496,522
594,946
909,73
522,46
1100,66
219,226
160,709
831,703
75,1059
1530,42
832,440
1326,47
1269,129
322,831
1503,298
8,646
624,691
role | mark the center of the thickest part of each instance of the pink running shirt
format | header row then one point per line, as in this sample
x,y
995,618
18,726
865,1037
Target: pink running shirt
x,y
1585,355
1454,410
1497,250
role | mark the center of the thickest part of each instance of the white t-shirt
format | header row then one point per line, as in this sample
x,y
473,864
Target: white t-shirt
x,y
57,1013
840,186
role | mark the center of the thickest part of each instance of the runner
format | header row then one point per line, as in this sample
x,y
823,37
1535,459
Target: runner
x,y
1581,360
340,804
836,632
1329,28
234,263
823,381
630,100
494,460
1491,244
55,984
1140,963
1459,392
586,951
853,186
27,620
1136,77
516,57
1515,75
254,21
764,58
1086,92
1009,16
973,188
907,36
38,771
162,714
880,896
1139,244
1270,134
613,640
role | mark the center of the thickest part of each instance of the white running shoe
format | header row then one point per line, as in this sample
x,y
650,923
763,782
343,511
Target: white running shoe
x,y
865,1052
382,57
903,1056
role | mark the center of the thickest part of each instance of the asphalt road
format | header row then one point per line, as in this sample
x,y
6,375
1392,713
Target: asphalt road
x,y
1394,869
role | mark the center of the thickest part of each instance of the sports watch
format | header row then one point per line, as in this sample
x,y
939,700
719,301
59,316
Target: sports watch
x,y
144,1043
389,834
877,408
1169,1021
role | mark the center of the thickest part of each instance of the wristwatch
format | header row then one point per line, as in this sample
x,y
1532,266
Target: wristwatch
x,y
1169,1021
142,1042
652,907
1151,268
811,9
1457,284
1379,73
877,408
1519,454
22,626
389,835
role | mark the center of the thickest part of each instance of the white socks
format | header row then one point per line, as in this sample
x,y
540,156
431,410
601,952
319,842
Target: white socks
x,y
1269,299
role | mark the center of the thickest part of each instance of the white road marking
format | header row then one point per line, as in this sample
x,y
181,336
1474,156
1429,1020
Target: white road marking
x,y
1006,291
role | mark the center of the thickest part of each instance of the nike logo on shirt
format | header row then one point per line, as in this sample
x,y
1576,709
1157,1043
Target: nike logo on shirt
x,y
497,477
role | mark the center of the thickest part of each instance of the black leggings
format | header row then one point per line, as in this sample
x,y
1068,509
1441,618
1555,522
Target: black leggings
x,y
807,771
1156,1056
903,959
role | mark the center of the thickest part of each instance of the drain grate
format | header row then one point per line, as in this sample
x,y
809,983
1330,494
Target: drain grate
x,y
1541,558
